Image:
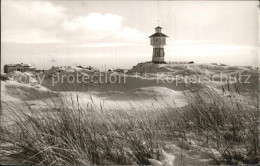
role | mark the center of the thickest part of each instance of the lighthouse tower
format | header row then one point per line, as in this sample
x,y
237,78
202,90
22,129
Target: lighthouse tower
x,y
158,40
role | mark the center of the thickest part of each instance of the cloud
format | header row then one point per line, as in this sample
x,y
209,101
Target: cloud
x,y
31,21
44,22
103,26
27,14
96,22
131,34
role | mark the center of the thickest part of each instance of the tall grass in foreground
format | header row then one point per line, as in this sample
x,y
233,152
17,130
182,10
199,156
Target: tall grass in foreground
x,y
82,136
228,127
72,134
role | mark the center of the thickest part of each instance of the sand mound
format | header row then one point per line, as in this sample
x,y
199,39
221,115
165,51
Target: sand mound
x,y
149,92
23,91
23,77
141,99
178,69
186,69
63,70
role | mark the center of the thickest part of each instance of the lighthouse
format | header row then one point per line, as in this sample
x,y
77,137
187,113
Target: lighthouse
x,y
158,41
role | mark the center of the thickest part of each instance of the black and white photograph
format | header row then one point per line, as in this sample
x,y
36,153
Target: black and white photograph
x,y
148,82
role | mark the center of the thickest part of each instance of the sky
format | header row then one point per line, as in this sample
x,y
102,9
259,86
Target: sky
x,y
115,34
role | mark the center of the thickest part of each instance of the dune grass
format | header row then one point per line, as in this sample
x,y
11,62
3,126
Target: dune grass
x,y
227,127
70,134
84,136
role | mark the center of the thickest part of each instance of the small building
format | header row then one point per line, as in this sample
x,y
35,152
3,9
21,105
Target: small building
x,y
18,67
